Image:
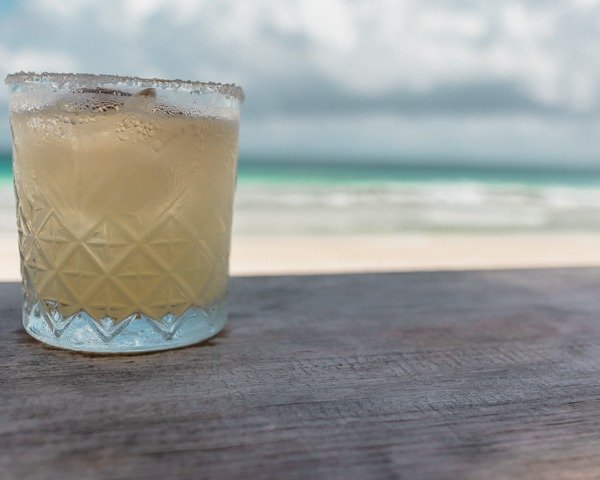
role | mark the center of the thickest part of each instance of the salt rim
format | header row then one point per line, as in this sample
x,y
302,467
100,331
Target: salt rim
x,y
83,80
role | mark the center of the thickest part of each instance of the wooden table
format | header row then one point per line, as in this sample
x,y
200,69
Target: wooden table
x,y
467,375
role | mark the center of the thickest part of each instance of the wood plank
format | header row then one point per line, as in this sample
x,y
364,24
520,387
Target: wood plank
x,y
483,375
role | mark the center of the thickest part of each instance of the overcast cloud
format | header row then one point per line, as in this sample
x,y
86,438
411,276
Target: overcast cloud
x,y
401,78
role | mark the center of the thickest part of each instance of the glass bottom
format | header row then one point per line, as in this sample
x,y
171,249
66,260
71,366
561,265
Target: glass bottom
x,y
135,334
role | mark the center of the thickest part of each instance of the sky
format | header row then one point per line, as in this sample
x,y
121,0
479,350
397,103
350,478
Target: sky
x,y
514,81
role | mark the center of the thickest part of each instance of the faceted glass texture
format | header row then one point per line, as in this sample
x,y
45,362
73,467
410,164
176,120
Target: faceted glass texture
x,y
124,206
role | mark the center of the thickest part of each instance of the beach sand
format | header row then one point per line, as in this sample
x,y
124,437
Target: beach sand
x,y
281,255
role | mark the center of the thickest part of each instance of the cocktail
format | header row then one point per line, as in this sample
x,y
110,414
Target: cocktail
x,y
124,193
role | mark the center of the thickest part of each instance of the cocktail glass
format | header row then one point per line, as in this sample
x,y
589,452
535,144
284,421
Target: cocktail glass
x,y
124,191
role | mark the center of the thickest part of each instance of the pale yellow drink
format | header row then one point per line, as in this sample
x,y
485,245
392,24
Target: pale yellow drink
x,y
124,207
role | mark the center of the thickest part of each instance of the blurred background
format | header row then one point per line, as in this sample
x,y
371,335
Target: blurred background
x,y
377,134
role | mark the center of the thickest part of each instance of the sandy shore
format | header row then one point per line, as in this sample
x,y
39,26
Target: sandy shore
x,y
276,255
305,255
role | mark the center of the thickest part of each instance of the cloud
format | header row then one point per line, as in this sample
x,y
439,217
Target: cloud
x,y
323,97
336,59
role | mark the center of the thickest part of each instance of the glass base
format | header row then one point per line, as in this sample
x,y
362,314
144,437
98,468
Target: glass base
x,y
135,334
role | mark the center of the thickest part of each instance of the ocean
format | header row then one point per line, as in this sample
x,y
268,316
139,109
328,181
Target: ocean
x,y
309,197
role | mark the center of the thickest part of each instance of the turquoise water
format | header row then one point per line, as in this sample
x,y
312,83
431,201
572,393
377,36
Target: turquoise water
x,y
308,197
5,168
311,172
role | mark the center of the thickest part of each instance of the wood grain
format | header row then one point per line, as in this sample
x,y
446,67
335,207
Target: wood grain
x,y
462,375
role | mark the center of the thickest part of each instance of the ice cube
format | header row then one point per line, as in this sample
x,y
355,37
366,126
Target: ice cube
x,y
146,92
104,91
141,101
99,99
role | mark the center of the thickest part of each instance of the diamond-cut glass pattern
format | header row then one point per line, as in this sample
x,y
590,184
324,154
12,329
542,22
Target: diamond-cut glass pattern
x,y
118,224
108,271
136,333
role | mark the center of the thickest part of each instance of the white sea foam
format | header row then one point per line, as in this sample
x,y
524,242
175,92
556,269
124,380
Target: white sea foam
x,y
263,208
395,207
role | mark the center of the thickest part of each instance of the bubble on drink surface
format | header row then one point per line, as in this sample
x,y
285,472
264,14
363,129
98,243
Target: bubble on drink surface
x,y
133,127
136,125
104,101
165,109
92,100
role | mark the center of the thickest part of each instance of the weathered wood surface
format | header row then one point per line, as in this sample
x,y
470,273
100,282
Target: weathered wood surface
x,y
473,375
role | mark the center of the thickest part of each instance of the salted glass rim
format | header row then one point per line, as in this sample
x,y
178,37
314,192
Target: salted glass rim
x,y
91,80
